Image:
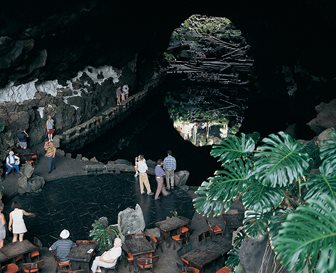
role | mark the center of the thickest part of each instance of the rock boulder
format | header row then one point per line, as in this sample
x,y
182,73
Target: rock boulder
x,y
131,221
181,178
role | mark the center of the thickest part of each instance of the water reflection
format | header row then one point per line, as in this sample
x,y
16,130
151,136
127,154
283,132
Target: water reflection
x,y
202,133
75,203
204,115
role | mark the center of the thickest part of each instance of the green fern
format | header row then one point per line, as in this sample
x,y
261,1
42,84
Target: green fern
x,y
327,150
232,148
308,237
104,236
256,223
261,198
325,182
280,161
219,193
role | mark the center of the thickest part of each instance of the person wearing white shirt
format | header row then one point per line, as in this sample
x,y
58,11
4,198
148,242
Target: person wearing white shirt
x,y
12,162
109,258
143,177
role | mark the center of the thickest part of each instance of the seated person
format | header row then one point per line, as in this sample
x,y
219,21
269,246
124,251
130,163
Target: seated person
x,y
62,246
109,258
12,162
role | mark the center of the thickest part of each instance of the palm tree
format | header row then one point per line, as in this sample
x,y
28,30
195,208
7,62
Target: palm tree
x,y
284,199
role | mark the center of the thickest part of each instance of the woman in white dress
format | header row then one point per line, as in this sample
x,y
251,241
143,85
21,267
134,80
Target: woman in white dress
x,y
16,221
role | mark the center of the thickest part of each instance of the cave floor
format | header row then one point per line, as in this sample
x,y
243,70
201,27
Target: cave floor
x,y
68,167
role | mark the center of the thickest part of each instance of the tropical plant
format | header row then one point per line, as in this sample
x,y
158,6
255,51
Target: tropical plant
x,y
285,199
104,234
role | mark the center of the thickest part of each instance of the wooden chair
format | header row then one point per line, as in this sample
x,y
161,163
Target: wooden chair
x,y
215,229
63,266
10,268
204,235
85,242
146,263
156,242
187,269
32,267
224,269
180,238
35,255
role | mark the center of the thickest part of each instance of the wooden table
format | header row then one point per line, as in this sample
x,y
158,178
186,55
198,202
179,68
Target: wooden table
x,y
138,246
172,223
80,258
16,249
208,252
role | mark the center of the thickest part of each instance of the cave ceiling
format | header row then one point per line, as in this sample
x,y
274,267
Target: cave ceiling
x,y
45,40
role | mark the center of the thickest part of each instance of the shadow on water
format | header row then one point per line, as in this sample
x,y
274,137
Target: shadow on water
x,y
75,203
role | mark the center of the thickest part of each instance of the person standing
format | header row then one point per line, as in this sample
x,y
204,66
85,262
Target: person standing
x,y
169,165
2,227
109,258
159,174
143,177
50,128
16,221
12,162
50,154
125,91
62,246
22,137
118,95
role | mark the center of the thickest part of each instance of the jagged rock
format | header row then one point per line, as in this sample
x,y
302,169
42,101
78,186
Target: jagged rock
x,y
324,135
56,141
60,152
36,183
251,254
27,170
131,220
68,155
104,221
181,178
85,158
121,161
326,116
23,185
94,159
79,157
153,232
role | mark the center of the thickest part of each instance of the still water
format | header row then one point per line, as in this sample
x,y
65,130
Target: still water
x,y
75,203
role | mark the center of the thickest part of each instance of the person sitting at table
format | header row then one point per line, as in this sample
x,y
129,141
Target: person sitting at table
x,y
62,246
109,258
16,221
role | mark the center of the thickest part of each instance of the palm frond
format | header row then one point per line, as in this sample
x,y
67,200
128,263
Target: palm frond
x,y
328,151
218,194
261,198
308,237
313,152
322,183
280,160
233,147
256,223
278,217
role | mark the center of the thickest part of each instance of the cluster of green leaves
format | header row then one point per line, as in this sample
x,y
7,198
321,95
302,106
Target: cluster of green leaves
x,y
103,235
192,110
284,199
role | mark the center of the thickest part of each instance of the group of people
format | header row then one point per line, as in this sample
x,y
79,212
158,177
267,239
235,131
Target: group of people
x,y
16,223
122,93
13,160
164,168
62,247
